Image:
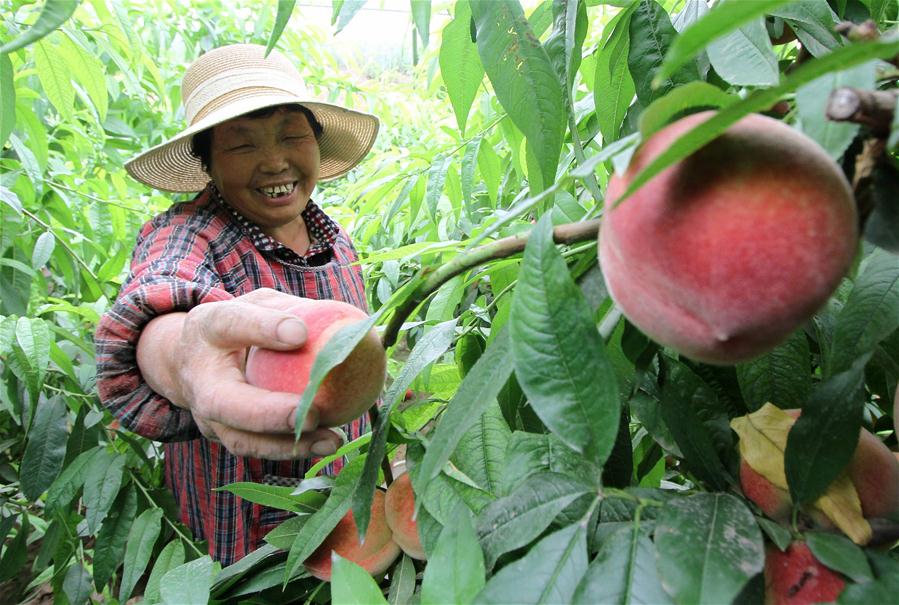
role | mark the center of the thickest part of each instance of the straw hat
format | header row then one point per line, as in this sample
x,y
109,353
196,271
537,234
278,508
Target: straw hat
x,y
233,80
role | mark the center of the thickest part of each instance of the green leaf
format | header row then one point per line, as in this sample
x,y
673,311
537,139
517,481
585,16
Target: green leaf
x,y
823,439
189,583
266,556
55,78
352,585
421,17
745,57
548,573
7,100
109,550
481,452
285,9
171,557
320,523
54,14
689,96
709,545
724,18
460,65
77,585
402,582
455,570
34,337
840,554
43,249
16,552
782,376
613,85
88,71
101,486
778,534
274,496
337,349
759,100
478,389
624,571
286,534
565,43
64,488
139,548
651,35
46,447
436,183
523,79
560,360
343,12
813,22
883,590
870,314
515,520
530,453
428,349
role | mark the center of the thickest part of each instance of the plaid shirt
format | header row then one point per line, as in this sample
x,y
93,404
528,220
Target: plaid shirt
x,y
197,252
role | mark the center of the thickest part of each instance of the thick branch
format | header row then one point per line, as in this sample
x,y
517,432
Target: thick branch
x,y
872,108
568,233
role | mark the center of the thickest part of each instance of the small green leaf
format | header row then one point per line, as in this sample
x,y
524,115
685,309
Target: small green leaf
x,y
67,484
101,486
777,533
745,57
109,550
460,65
285,9
724,18
16,552
352,585
55,78
560,359
481,452
709,545
343,12
77,585
402,582
548,573
455,570
46,447
614,86
189,583
782,376
516,519
436,182
421,17
53,15
274,496
840,554
689,96
171,557
139,548
7,100
43,249
531,453
286,534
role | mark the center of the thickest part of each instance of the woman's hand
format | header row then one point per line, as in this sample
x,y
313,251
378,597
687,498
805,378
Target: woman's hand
x,y
196,360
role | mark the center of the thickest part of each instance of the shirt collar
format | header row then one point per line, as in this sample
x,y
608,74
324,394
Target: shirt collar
x,y
322,228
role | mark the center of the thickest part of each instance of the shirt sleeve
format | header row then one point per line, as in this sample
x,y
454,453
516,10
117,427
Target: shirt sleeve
x,y
171,271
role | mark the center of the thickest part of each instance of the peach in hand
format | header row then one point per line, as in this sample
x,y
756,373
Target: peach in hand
x,y
349,389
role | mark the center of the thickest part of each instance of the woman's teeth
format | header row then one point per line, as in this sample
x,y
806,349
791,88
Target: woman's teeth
x,y
276,191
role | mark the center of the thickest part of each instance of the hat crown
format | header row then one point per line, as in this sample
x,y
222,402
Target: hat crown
x,y
224,74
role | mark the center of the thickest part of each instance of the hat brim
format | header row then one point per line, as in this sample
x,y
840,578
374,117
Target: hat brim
x,y
347,137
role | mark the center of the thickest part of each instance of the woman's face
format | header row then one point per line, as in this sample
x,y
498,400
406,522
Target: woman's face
x,y
266,168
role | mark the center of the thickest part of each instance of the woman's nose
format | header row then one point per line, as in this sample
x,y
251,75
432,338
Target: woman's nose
x,y
273,160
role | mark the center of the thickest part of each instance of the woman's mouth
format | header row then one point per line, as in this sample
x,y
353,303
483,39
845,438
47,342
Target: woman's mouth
x,y
278,191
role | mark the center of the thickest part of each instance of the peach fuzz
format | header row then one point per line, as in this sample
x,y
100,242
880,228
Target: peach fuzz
x,y
722,255
399,510
873,470
796,577
349,389
375,554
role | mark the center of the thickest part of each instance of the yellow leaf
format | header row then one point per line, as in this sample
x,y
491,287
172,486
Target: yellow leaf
x,y
763,440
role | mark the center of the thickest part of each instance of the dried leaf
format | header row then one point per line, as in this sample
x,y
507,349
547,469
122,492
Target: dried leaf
x,y
763,439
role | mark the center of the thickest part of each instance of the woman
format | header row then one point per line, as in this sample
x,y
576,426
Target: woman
x,y
215,275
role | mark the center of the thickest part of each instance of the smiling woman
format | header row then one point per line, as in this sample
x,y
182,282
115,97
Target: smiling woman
x,y
250,245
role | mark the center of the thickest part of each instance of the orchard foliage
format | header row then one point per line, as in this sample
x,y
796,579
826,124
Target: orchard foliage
x,y
555,452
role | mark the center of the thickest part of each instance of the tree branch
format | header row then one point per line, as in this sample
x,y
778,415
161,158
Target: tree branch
x,y
568,233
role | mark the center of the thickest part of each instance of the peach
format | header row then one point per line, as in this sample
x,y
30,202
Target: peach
x,y
349,389
375,554
722,255
796,577
873,470
399,510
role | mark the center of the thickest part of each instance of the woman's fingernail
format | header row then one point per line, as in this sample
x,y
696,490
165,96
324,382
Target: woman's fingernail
x,y
323,448
292,332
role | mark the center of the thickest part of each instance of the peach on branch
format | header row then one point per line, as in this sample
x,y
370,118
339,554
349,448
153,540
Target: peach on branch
x,y
374,554
722,255
349,389
796,577
873,471
399,510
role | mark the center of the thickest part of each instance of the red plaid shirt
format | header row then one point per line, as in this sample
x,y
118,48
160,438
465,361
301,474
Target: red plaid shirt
x,y
196,252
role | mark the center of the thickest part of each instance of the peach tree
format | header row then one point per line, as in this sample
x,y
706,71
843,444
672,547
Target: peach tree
x,y
552,441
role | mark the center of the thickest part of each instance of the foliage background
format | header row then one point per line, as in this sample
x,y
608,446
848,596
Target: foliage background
x,y
462,161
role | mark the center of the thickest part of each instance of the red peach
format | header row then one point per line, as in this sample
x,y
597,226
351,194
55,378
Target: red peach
x,y
795,577
374,554
349,389
722,255
399,509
